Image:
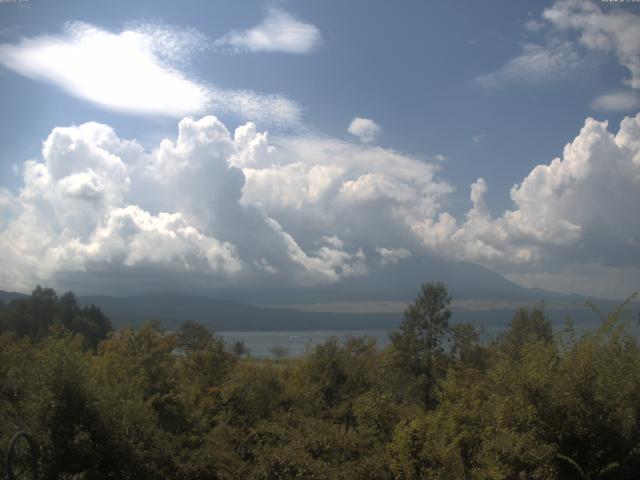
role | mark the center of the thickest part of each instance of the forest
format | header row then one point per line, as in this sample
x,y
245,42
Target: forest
x,y
442,401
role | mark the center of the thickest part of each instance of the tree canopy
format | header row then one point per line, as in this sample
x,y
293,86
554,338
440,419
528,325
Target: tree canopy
x,y
440,402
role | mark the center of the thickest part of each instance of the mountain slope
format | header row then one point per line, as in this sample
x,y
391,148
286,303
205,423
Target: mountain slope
x,y
6,297
399,281
173,309
222,315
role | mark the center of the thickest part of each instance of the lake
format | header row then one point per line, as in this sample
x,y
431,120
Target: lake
x,y
300,342
297,342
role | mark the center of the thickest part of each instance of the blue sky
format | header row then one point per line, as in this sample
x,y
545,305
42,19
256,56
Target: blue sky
x,y
481,92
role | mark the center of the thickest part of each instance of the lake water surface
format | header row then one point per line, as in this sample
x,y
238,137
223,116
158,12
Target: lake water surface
x,y
297,343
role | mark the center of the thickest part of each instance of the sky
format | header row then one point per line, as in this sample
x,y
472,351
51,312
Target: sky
x,y
305,142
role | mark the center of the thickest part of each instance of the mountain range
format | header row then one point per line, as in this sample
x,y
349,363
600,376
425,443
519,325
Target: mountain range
x,y
373,301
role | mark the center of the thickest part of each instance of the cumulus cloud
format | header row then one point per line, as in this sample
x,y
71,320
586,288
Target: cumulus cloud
x,y
329,262
73,214
96,204
278,32
570,212
368,196
365,129
215,207
132,71
576,33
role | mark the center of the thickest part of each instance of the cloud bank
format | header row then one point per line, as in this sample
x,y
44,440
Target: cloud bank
x,y
213,208
278,32
201,208
132,71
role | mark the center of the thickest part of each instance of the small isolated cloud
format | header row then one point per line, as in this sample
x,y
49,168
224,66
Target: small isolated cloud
x,y
392,255
138,70
532,25
279,32
365,129
478,137
535,64
617,102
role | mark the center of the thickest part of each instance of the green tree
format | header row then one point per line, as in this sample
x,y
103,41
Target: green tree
x,y
193,337
280,352
526,326
240,349
418,344
467,348
33,317
251,393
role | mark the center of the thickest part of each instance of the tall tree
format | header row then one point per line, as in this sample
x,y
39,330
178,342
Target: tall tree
x,y
526,326
418,344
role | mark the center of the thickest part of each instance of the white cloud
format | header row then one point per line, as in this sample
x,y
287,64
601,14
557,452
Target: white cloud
x,y
478,138
392,255
74,214
132,236
616,31
576,33
8,207
133,70
617,102
324,185
365,129
535,64
330,262
214,207
278,32
96,205
532,25
568,213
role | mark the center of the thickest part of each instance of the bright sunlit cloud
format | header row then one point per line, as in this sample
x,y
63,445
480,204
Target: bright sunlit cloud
x,y
97,203
139,70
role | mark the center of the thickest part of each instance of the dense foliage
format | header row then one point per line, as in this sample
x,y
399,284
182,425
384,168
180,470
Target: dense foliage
x,y
437,403
35,316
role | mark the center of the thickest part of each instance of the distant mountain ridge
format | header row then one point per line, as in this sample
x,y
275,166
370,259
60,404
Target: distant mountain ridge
x,y
273,308
6,297
222,315
397,282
